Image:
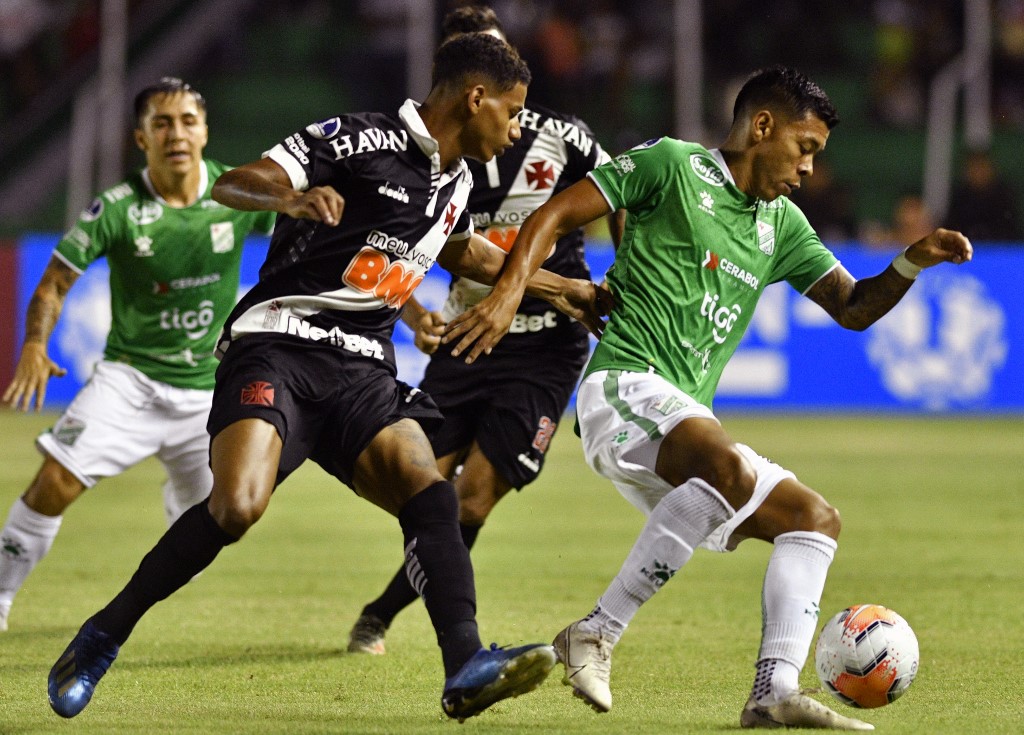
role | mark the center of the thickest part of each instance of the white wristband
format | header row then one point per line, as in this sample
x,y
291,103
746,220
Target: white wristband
x,y
904,267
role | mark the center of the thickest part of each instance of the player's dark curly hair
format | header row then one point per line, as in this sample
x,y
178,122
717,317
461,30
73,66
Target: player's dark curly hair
x,y
479,53
166,85
470,19
785,87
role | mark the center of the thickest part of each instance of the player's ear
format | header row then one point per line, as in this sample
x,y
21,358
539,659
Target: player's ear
x,y
475,98
140,139
763,125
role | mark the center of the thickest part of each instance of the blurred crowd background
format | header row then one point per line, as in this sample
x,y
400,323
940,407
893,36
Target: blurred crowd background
x,y
280,64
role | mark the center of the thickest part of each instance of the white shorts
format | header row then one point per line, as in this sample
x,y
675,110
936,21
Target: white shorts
x,y
623,418
121,417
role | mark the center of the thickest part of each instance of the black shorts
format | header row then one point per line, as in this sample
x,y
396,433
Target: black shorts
x,y
326,404
510,404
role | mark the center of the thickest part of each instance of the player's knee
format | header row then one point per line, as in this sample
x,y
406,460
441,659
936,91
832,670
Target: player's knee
x,y
731,473
235,514
824,518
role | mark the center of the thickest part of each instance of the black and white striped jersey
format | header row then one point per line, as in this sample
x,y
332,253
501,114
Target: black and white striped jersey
x,y
555,151
346,285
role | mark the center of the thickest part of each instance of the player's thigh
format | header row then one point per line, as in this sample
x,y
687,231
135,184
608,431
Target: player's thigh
x,y
185,453
397,464
108,427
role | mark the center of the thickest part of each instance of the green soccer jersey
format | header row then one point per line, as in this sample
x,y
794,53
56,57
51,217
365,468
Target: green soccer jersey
x,y
173,273
694,258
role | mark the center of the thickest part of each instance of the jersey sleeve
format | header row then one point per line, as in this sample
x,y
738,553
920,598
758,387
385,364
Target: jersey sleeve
x,y
631,180
89,238
313,156
806,260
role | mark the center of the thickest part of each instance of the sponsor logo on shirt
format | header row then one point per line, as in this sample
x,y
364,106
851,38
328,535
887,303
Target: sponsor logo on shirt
x,y
707,169
523,323
184,284
298,147
623,164
78,237
356,343
369,141
722,317
567,131
712,262
117,193
194,322
145,213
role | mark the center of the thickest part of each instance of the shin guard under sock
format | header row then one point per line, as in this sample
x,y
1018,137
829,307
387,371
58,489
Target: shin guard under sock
x,y
438,567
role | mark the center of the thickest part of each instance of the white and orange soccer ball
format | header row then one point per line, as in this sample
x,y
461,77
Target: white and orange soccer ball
x,y
866,656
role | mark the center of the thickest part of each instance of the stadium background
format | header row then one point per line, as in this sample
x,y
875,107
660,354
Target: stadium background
x,y
917,83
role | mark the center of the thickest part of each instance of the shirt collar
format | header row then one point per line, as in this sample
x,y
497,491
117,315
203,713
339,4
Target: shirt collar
x,y
204,181
410,116
717,155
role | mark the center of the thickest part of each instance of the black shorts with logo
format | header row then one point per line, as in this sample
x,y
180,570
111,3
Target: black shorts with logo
x,y
327,404
510,403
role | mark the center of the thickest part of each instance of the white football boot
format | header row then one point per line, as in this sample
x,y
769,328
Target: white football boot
x,y
797,710
588,665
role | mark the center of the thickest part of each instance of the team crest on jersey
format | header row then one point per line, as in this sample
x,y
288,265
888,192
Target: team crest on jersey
x,y
765,237
325,128
93,211
707,169
222,234
258,393
539,175
145,213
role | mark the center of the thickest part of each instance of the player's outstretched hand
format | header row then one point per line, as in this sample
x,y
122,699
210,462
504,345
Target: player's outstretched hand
x,y
321,203
942,246
428,331
34,370
586,302
480,327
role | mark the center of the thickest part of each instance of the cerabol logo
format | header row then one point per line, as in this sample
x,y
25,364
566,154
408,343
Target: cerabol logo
x,y
723,317
706,169
710,260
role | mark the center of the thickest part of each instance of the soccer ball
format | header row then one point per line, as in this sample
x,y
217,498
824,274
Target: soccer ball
x,y
866,656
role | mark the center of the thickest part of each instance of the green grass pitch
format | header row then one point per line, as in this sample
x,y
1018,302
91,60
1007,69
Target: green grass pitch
x,y
933,514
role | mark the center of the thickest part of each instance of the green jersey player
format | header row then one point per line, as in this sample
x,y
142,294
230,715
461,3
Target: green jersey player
x,y
174,256
707,230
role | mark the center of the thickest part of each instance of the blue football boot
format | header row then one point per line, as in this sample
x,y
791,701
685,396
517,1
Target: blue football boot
x,y
74,677
495,674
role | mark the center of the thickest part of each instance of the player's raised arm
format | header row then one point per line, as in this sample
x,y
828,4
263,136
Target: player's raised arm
x,y
35,368
478,329
857,304
264,185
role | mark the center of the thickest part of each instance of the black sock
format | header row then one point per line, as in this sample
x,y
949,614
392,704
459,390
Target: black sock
x,y
399,594
186,549
438,567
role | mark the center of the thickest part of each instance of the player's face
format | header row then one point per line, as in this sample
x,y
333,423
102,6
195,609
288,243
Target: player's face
x,y
495,126
172,133
786,154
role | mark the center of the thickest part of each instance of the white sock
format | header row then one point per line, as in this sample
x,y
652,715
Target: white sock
x,y
24,541
793,585
676,526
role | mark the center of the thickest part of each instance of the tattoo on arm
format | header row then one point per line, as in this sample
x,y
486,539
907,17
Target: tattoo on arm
x,y
857,304
47,301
